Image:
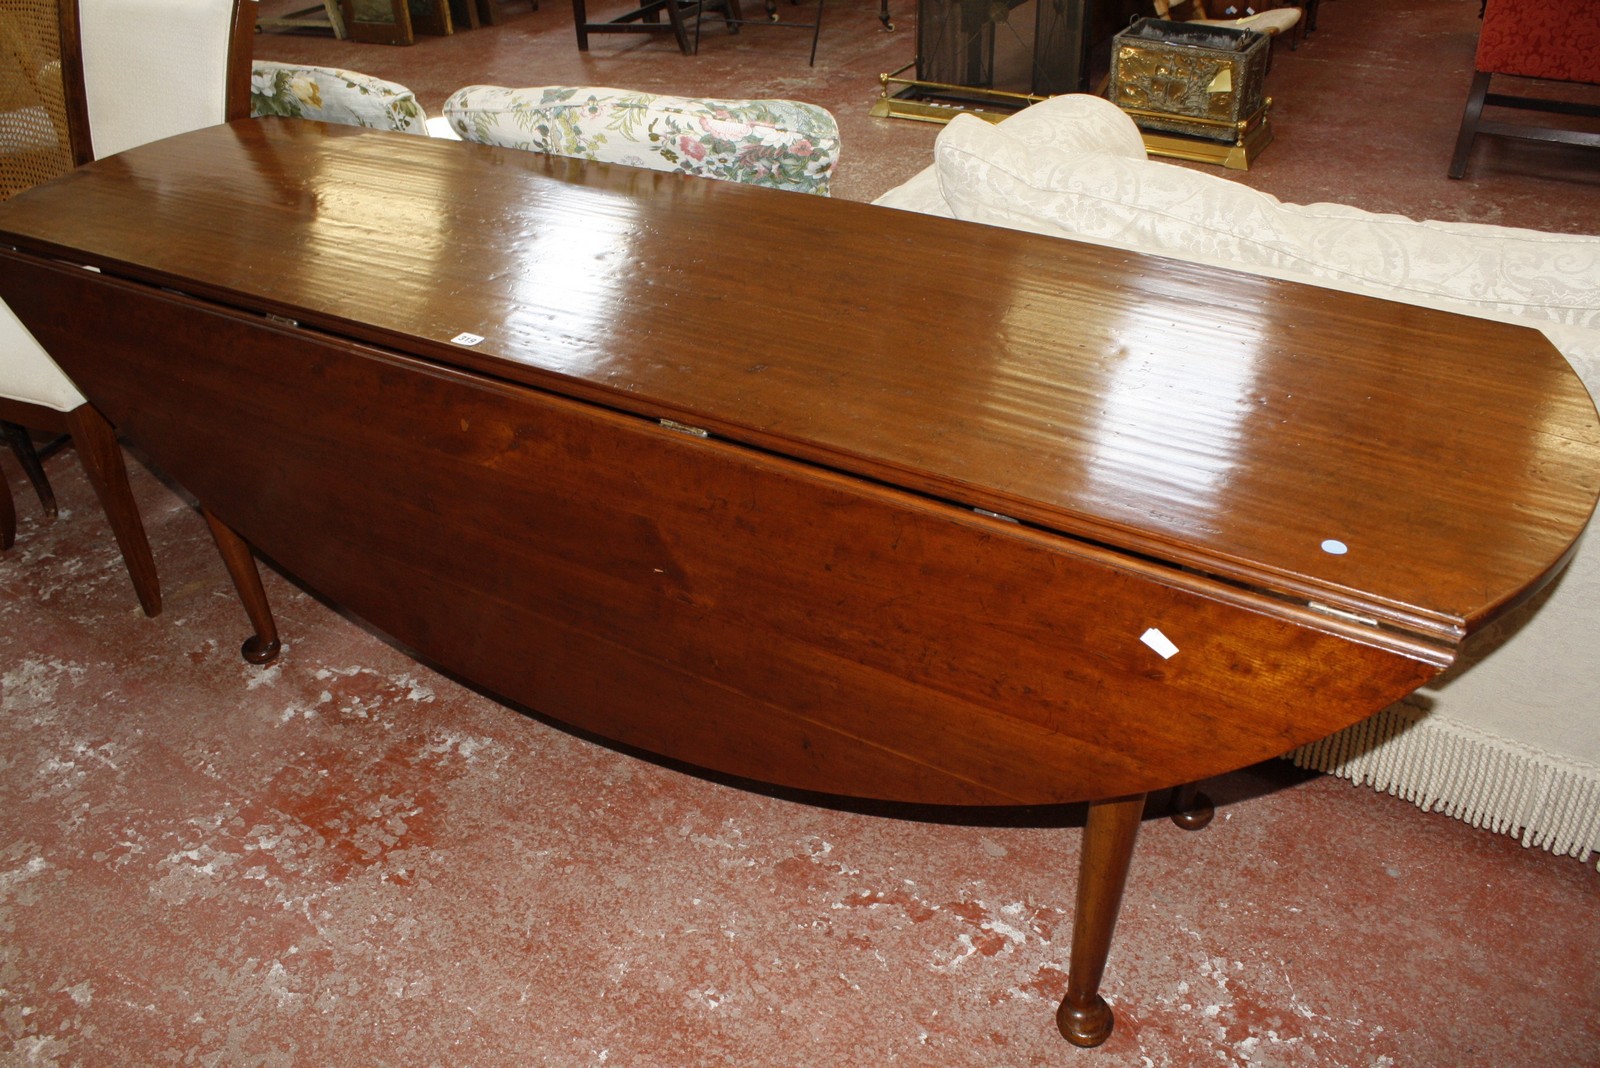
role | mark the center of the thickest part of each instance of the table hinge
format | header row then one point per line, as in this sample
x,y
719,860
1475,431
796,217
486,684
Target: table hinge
x,y
685,428
282,320
996,515
1340,613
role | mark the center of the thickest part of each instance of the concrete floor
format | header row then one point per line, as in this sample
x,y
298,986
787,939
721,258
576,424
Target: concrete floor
x,y
350,859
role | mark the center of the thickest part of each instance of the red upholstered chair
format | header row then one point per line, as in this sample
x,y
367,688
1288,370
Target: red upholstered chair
x,y
1532,39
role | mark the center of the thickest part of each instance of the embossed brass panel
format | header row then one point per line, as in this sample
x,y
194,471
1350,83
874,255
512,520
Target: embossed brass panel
x,y
1200,81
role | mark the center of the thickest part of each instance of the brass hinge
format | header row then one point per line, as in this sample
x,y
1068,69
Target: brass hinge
x,y
1340,613
685,428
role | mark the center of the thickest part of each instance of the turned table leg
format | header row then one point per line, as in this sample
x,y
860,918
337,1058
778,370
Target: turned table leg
x,y
261,647
1084,1018
1191,809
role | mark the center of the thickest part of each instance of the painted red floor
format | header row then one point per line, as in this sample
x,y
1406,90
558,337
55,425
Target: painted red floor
x,y
349,859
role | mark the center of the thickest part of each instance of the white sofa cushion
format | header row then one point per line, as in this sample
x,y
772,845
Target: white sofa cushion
x,y
988,174
784,144
1077,122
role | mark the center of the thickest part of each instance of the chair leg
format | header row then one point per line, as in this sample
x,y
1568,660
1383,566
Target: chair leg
x,y
101,457
680,32
335,19
1469,123
22,446
816,32
8,514
580,20
732,17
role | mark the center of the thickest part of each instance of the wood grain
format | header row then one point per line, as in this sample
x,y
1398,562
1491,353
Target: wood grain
x,y
694,598
1134,401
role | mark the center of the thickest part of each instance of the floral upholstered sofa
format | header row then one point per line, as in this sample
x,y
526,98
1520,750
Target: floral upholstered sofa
x,y
329,94
1511,741
784,144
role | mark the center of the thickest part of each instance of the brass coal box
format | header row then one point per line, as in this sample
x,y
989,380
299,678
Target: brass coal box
x,y
1189,79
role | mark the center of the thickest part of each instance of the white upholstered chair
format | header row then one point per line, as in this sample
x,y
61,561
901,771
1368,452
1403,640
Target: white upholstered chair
x,y
146,69
155,68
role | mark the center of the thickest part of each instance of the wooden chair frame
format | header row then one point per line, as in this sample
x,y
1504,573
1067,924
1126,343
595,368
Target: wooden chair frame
x,y
8,513
733,17
1473,123
89,431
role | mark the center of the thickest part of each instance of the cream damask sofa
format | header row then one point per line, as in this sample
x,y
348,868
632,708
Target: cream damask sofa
x,y
1510,741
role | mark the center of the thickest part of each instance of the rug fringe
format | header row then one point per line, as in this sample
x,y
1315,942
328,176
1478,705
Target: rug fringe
x,y
1439,765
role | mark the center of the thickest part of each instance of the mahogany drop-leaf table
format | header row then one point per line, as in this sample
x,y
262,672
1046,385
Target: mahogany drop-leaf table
x,y
820,494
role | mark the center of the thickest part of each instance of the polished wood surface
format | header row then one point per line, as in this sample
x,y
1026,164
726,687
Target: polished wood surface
x,y
821,494
699,599
1178,452
1125,399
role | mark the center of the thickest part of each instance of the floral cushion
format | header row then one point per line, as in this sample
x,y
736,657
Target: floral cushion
x,y
784,144
329,94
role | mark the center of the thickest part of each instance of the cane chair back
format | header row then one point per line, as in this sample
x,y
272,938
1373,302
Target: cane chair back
x,y
43,126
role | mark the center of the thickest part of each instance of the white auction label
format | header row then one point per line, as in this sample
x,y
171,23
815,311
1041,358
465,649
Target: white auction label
x,y
1160,643
466,339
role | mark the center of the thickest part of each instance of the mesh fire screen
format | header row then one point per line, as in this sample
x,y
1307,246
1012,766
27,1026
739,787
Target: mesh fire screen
x,y
1018,46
